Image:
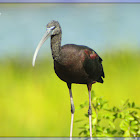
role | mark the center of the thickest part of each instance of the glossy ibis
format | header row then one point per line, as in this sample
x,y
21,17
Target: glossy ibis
x,y
73,64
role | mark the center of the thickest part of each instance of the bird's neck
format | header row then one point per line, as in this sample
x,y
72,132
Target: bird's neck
x,y
56,46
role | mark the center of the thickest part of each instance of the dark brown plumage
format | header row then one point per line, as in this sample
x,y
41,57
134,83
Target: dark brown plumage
x,y
76,65
73,64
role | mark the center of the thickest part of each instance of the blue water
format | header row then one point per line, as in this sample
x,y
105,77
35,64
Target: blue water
x,y
102,27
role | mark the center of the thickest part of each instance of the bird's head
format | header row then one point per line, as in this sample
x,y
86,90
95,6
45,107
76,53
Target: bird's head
x,y
53,28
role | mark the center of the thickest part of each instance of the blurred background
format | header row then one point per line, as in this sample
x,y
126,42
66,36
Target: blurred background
x,y
34,101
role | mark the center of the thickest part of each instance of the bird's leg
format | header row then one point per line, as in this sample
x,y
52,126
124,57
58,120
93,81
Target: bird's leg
x,y
72,109
90,110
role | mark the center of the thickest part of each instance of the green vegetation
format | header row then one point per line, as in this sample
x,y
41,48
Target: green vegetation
x,y
122,121
35,102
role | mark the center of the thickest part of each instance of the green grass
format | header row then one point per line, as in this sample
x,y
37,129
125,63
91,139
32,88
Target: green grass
x,y
35,102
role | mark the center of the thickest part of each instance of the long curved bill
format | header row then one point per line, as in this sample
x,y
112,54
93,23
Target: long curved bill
x,y
44,38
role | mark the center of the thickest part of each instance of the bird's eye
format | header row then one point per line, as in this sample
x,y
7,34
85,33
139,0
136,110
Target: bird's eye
x,y
52,28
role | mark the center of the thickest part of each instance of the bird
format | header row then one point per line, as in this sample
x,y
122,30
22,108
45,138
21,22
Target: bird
x,y
73,63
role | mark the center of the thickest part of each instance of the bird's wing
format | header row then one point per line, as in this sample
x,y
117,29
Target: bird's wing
x,y
93,66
